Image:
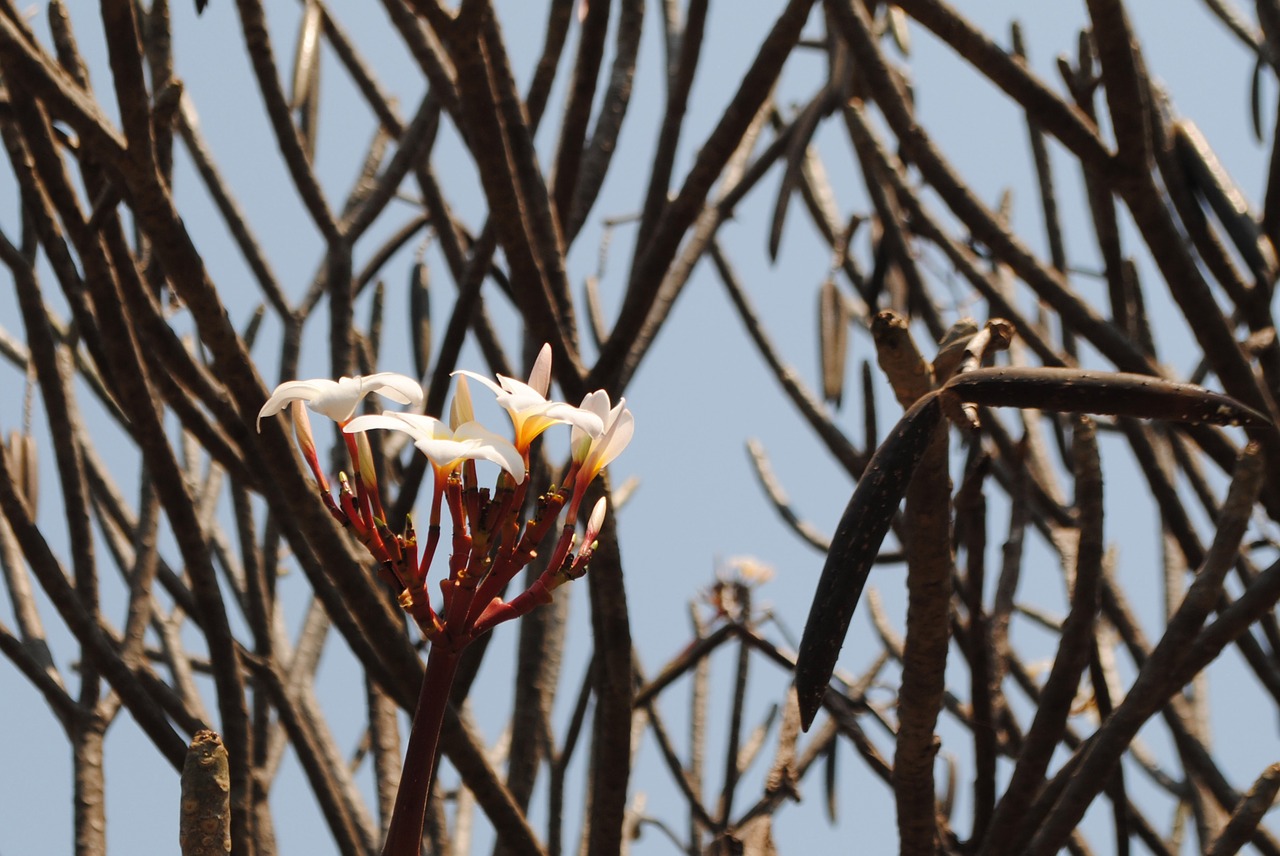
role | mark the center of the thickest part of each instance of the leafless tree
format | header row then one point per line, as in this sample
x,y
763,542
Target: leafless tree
x,y
123,324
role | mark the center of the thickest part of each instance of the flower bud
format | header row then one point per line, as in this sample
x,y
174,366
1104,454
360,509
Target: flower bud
x,y
595,522
460,410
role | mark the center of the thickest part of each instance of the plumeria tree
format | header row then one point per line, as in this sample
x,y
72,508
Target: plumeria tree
x,y
201,205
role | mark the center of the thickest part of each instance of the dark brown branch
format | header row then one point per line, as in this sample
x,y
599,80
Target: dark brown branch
x,y
1074,646
614,689
661,248
1178,656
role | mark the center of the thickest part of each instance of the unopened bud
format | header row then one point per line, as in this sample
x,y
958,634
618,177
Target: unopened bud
x,y
307,442
460,410
364,463
595,521
302,428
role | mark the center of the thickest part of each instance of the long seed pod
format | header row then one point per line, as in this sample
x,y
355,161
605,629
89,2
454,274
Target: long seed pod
x,y
420,317
250,334
1255,97
1110,393
833,341
1214,185
595,311
376,315
896,25
24,463
854,547
829,779
305,95
306,55
205,825
797,149
869,430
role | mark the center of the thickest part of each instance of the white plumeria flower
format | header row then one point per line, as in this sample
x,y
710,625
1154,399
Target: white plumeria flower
x,y
593,452
531,413
338,399
444,447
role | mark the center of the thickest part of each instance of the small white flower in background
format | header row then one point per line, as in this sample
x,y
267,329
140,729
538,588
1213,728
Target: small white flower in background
x,y
445,447
749,569
531,413
736,577
339,399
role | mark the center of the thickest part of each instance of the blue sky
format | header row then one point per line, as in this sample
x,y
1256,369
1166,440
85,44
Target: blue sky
x,y
700,395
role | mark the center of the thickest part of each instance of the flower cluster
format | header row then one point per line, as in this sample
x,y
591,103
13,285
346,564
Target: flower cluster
x,y
490,543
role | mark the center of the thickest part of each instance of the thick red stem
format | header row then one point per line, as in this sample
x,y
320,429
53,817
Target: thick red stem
x,y
404,834
536,595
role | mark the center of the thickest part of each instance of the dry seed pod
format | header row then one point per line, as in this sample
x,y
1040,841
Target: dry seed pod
x,y
204,828
797,149
306,55
251,329
829,779
833,341
375,321
24,464
420,317
309,118
1112,393
782,776
595,311
897,24
869,430
306,76
1213,184
1255,97
862,528
879,269
948,801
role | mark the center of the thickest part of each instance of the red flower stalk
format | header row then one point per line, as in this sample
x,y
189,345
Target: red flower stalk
x,y
489,545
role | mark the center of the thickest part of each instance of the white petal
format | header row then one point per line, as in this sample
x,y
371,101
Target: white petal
x,y
289,391
495,448
583,420
397,387
620,407
616,439
443,452
596,403
497,390
417,426
338,400
518,396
